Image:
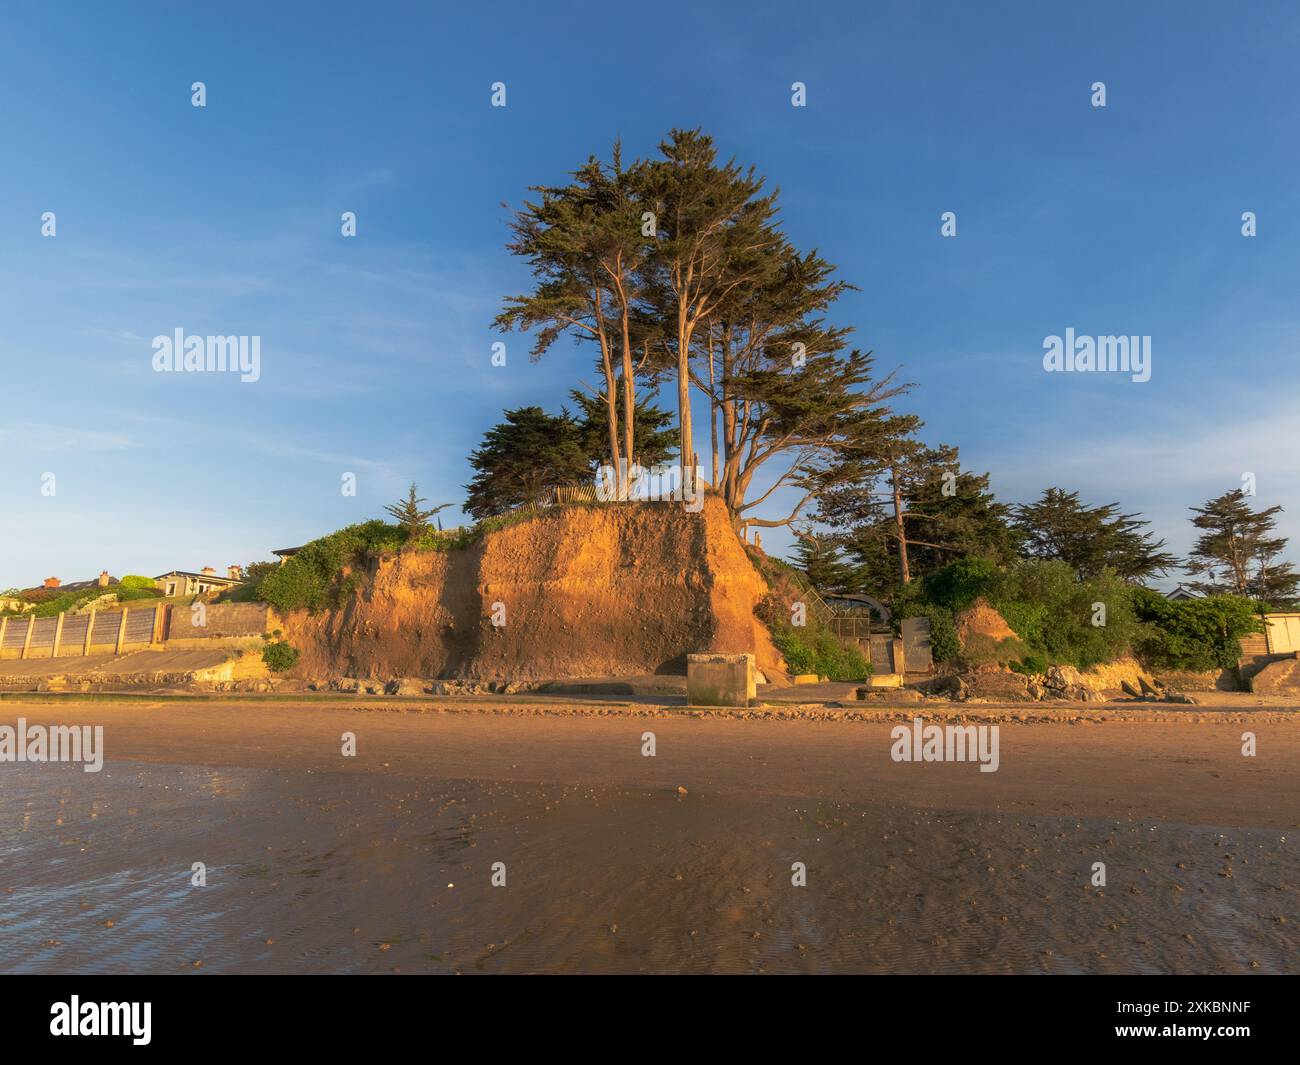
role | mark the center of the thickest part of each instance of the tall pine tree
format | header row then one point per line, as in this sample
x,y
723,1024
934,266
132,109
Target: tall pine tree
x,y
1238,553
1090,539
824,565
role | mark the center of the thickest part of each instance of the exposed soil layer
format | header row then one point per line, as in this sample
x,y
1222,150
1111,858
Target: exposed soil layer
x,y
578,592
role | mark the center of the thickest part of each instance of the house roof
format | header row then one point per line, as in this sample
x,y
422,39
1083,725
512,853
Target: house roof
x,y
76,586
200,576
286,552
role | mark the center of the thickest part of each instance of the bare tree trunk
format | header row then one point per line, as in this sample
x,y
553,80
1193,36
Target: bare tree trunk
x,y
687,446
611,413
713,410
1239,574
629,385
900,527
730,440
611,394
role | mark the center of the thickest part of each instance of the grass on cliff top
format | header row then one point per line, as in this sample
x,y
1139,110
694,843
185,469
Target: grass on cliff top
x,y
325,571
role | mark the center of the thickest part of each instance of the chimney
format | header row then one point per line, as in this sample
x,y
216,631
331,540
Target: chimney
x,y
51,582
208,571
234,573
103,578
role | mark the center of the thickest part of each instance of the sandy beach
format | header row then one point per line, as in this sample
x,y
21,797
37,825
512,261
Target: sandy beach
x,y
618,862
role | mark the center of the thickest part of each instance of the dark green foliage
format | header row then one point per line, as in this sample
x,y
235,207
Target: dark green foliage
x,y
713,297
59,603
587,252
808,648
946,512
315,578
138,588
824,566
279,656
1054,614
940,595
813,649
1058,527
960,583
1237,554
250,591
256,572
51,602
656,441
1050,611
1194,634
523,458
321,574
533,452
296,586
1031,665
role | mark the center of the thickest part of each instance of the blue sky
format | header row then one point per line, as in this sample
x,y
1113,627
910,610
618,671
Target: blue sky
x,y
375,350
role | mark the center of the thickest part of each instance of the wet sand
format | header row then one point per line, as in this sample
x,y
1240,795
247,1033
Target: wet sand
x,y
384,862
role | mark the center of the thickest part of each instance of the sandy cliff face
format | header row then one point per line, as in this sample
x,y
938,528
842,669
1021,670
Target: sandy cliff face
x,y
585,592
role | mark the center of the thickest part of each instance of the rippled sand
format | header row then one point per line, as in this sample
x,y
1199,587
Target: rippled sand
x,y
384,863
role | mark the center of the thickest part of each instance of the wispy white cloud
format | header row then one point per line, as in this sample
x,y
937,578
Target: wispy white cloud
x,y
1167,462
42,436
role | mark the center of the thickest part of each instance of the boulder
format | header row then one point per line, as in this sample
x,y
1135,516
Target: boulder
x,y
1004,686
891,696
1001,686
406,686
1066,682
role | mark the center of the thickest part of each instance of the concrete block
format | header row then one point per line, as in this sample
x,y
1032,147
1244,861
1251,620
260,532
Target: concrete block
x,y
898,653
885,680
720,680
805,678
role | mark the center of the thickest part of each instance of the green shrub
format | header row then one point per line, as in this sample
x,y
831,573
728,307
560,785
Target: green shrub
x,y
59,603
1193,634
814,649
810,648
313,579
130,595
135,582
294,587
249,592
1047,607
1054,613
959,583
1030,665
279,656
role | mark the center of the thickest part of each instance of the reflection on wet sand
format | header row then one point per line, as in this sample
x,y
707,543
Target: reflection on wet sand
x,y
311,871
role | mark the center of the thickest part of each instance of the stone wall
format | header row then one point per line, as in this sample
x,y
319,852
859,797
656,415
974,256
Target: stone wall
x,y
219,621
